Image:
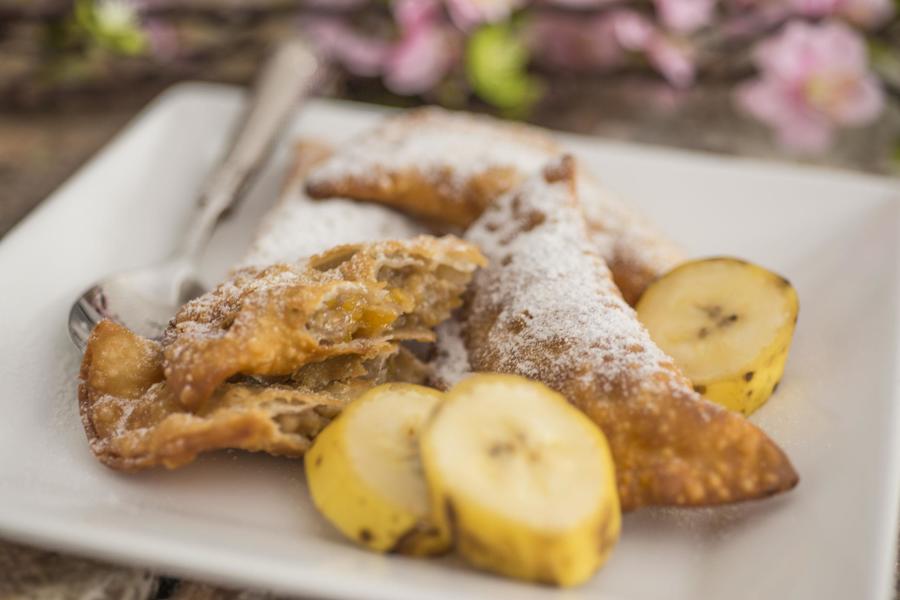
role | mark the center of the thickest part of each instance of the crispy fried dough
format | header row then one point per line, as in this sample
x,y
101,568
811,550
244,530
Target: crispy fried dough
x,y
432,163
356,299
133,421
546,308
448,167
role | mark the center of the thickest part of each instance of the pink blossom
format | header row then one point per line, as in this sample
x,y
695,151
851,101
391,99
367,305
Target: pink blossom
x,y
575,42
412,14
607,41
359,54
672,60
632,30
418,62
635,33
685,16
468,13
812,79
425,51
422,54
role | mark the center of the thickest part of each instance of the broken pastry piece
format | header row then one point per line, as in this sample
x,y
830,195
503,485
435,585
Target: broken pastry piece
x,y
355,299
546,308
448,167
133,421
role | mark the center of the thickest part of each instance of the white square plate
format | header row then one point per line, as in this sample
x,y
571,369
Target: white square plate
x,y
246,520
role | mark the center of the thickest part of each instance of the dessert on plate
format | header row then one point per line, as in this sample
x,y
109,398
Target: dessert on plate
x,y
494,394
252,363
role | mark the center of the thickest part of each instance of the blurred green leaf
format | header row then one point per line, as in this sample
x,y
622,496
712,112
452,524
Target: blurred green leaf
x,y
110,24
497,68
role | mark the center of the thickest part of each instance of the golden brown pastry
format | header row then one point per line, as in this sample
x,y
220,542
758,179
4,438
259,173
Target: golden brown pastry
x,y
447,167
355,299
434,164
133,421
546,308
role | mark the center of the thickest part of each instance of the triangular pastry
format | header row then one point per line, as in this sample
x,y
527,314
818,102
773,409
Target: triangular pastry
x,y
447,167
434,164
355,299
546,308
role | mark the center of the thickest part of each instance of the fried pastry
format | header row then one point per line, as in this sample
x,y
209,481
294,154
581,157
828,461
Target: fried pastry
x,y
298,226
546,308
447,167
438,165
133,421
356,299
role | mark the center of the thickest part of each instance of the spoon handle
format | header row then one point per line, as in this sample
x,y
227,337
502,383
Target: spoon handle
x,y
286,78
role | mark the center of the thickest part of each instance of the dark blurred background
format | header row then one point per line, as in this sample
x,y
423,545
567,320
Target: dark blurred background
x,y
806,80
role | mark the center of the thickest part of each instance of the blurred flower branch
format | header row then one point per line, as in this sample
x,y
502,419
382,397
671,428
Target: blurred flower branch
x,y
804,68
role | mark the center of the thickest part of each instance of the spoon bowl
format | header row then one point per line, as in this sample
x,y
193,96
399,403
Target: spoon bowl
x,y
144,300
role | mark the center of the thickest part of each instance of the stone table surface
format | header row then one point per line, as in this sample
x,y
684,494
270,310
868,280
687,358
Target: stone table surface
x,y
38,151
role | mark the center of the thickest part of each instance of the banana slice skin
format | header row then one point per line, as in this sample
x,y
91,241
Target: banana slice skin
x,y
728,324
365,476
522,481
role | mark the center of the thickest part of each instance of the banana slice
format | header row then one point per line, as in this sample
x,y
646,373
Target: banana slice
x,y
728,324
365,476
521,480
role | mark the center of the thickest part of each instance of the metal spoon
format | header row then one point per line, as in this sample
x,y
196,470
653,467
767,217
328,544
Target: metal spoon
x,y
145,299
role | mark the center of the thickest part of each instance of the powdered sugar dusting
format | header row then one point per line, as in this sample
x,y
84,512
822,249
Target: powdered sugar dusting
x,y
415,282
620,233
451,150
200,317
451,361
559,316
299,227
447,147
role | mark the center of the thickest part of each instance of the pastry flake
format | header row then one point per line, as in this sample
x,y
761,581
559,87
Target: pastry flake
x,y
546,308
133,420
355,299
448,167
